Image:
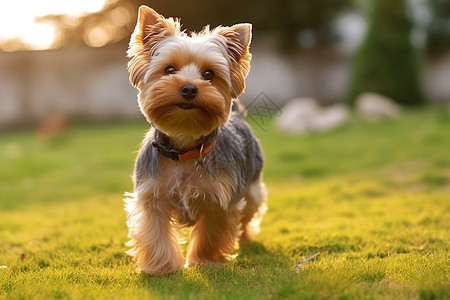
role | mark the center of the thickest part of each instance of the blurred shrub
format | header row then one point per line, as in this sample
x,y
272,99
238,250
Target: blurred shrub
x,y
386,62
439,27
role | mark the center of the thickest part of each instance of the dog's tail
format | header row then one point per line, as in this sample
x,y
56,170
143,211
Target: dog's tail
x,y
239,109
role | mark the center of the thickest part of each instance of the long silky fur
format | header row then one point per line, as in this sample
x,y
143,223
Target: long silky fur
x,y
223,196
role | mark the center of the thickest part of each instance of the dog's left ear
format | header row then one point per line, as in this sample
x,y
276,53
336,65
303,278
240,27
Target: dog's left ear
x,y
238,38
244,31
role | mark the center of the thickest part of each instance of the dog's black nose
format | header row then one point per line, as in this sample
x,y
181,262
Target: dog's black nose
x,y
188,91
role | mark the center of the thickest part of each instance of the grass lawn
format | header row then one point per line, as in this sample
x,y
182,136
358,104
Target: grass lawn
x,y
372,198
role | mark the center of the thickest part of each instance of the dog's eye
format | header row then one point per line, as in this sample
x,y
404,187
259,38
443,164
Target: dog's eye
x,y
208,75
170,70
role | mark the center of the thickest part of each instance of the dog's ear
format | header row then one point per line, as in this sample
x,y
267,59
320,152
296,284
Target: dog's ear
x,y
151,29
244,32
238,38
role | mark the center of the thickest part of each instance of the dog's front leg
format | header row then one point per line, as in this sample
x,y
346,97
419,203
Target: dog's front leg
x,y
154,242
214,235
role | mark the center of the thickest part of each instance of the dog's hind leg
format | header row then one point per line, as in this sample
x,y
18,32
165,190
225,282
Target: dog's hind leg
x,y
255,208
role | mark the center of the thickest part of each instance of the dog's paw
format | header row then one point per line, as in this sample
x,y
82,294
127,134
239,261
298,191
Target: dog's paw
x,y
162,270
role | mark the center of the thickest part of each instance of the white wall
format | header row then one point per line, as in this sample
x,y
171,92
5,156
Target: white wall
x,y
93,83
82,83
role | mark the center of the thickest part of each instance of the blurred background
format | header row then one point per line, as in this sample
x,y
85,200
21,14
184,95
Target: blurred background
x,y
65,60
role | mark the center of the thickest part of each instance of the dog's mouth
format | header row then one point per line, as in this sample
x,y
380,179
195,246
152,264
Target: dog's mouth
x,y
186,106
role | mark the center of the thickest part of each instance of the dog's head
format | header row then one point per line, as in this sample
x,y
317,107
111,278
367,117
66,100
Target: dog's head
x,y
187,82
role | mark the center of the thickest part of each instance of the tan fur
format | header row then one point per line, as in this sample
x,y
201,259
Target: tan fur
x,y
214,235
238,49
170,119
254,210
182,194
151,28
153,239
175,199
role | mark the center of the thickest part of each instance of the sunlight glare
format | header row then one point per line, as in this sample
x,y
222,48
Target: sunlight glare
x,y
40,36
18,19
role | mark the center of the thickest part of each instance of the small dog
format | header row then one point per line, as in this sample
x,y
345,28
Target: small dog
x,y
199,165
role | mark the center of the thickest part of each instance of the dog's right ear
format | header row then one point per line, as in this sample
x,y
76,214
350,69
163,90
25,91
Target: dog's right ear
x,y
150,30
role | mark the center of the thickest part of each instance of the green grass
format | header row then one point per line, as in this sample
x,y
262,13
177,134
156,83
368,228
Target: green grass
x,y
372,198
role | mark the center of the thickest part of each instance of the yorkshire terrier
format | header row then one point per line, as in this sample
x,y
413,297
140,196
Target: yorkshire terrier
x,y
200,164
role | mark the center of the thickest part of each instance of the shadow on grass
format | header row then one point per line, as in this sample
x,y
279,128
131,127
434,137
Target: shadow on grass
x,y
252,274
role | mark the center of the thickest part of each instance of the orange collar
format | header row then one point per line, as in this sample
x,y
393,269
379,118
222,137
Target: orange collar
x,y
181,154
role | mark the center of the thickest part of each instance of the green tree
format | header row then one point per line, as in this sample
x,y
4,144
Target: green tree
x,y
439,28
386,62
